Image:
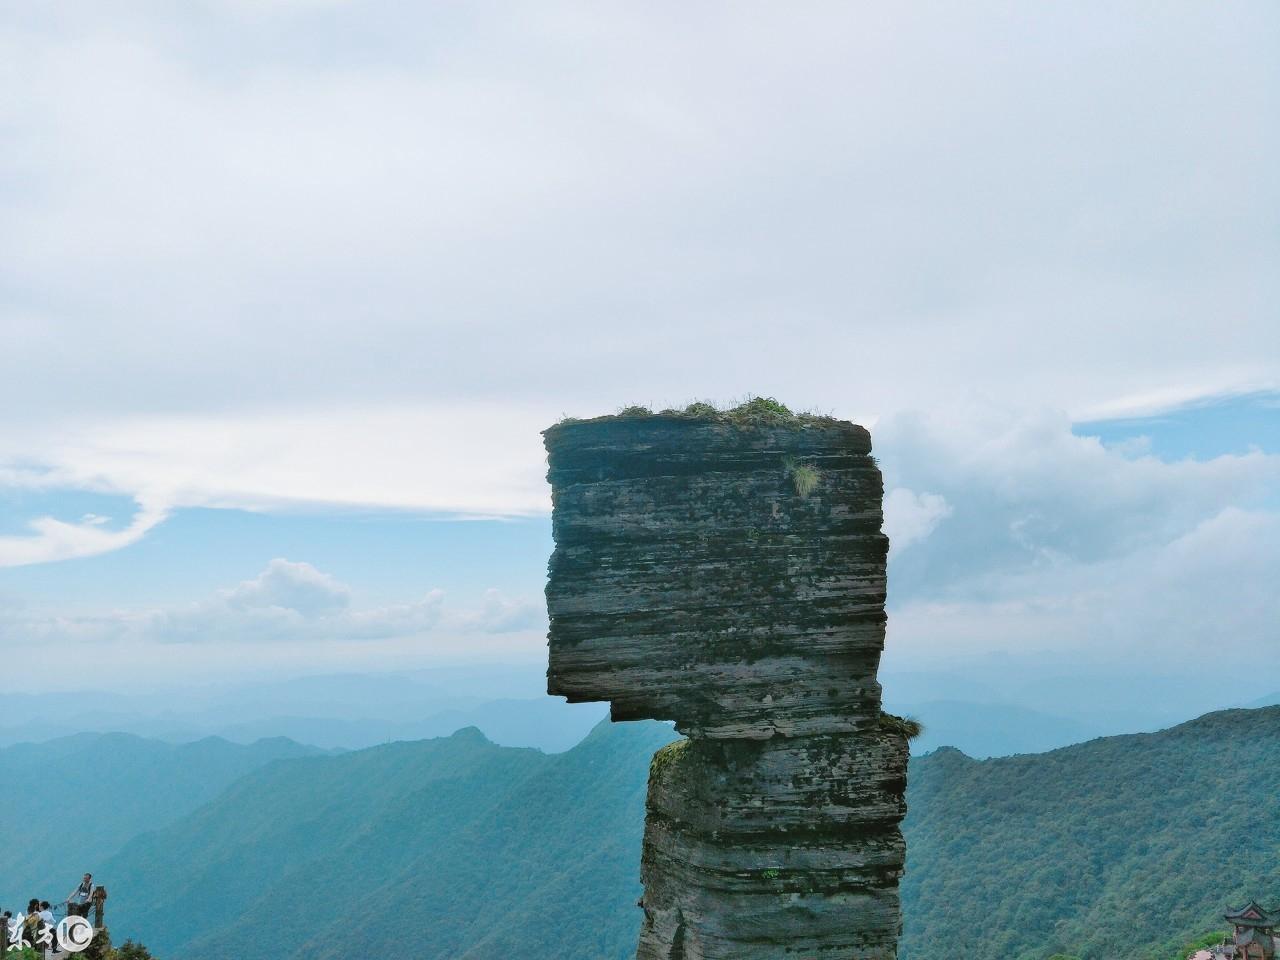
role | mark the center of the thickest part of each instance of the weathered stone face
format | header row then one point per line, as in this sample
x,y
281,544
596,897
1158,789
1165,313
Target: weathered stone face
x,y
732,578
692,582
785,847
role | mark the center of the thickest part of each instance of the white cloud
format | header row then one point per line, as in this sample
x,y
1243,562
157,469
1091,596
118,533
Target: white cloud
x,y
909,517
249,262
52,539
1171,398
209,210
288,603
396,620
298,587
475,459
501,614
1060,550
1194,606
1023,491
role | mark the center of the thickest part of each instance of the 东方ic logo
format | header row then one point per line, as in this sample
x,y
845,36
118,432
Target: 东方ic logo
x,y
73,934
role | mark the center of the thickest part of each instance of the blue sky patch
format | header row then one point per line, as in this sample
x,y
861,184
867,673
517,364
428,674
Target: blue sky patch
x,y
1198,431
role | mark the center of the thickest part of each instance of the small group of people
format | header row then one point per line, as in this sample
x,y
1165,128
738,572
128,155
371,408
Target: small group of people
x,y
35,926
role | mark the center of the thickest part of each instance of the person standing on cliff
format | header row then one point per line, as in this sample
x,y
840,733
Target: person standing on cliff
x,y
78,902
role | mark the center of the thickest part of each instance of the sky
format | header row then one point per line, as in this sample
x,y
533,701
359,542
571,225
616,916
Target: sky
x,y
288,290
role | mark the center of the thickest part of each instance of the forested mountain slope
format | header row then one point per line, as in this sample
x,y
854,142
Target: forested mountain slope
x,y
448,848
1123,847
1117,849
67,803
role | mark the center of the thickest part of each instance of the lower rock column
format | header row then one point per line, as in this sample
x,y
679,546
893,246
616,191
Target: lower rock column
x,y
786,847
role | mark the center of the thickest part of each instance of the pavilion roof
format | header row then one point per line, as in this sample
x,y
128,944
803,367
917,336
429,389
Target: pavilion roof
x,y
1253,914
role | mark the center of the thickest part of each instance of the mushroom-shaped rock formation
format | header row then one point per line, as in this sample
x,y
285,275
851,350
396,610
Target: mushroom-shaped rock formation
x,y
727,571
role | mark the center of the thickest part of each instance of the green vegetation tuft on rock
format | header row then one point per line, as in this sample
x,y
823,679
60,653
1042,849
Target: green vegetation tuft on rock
x,y
908,727
752,412
700,409
764,410
805,476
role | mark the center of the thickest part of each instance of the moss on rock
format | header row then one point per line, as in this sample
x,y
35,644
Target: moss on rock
x,y
667,756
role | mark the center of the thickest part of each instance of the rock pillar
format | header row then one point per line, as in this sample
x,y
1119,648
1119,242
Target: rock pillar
x,y
727,571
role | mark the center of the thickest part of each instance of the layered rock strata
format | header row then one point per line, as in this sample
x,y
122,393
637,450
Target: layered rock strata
x,y
730,576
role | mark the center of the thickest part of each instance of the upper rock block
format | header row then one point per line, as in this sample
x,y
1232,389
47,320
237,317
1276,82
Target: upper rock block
x,y
727,576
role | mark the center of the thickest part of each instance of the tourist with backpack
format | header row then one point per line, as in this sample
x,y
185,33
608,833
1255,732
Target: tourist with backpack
x,y
78,902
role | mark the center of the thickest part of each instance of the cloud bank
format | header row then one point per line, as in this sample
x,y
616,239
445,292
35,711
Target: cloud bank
x,y
219,208
284,257
289,602
1052,545
457,459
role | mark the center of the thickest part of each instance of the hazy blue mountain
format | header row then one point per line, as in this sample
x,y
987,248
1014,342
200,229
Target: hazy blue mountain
x,y
546,723
447,848
1034,706
1268,701
991,729
919,686
68,803
1121,847
1101,696
348,711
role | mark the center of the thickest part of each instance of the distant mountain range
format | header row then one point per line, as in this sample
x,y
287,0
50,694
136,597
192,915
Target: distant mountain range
x,y
451,848
347,711
68,803
1023,714
1123,847
991,729
979,729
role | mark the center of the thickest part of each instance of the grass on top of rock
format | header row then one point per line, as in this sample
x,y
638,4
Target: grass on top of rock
x,y
752,412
